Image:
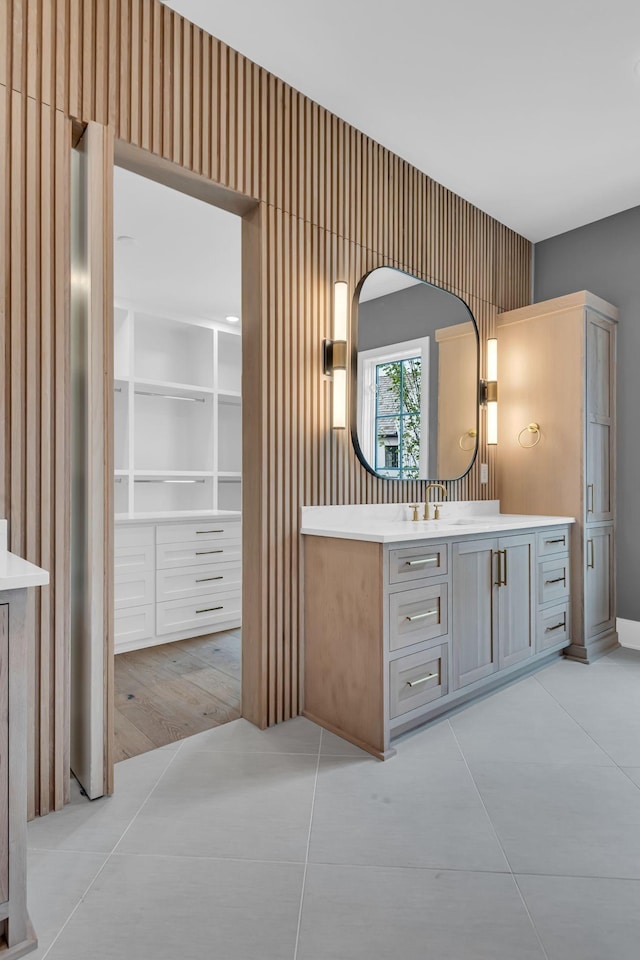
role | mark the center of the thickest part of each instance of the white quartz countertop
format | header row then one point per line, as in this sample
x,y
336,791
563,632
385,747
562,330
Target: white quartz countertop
x,y
16,573
177,516
394,526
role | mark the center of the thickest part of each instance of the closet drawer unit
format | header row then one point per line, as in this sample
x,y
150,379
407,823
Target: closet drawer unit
x,y
417,615
136,623
416,563
134,559
553,580
202,531
217,578
417,680
553,626
204,612
196,553
132,589
127,536
550,542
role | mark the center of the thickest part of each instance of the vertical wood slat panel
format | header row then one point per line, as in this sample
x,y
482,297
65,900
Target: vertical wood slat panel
x,y
333,204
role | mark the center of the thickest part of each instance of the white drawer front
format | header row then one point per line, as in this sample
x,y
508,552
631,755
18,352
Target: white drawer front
x,y
133,624
133,589
127,536
196,581
204,530
202,612
133,559
193,554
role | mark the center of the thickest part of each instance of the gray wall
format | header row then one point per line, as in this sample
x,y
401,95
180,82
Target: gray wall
x,y
604,257
408,314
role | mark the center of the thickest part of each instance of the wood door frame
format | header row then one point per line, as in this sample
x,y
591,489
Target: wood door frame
x,y
254,652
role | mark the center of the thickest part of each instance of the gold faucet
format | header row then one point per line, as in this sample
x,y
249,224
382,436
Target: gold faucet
x,y
426,500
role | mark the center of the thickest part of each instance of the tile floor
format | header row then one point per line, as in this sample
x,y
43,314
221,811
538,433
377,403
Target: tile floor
x,y
509,832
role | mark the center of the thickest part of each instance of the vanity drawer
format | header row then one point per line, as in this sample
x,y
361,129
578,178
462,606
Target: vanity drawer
x,y
132,589
417,679
133,624
133,559
204,530
417,563
216,578
553,580
550,542
196,553
553,626
417,615
127,536
195,613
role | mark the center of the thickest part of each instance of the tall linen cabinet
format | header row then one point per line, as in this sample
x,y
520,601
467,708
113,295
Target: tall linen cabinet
x,y
557,370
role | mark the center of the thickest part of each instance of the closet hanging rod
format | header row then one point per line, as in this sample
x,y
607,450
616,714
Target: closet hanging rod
x,y
167,481
168,396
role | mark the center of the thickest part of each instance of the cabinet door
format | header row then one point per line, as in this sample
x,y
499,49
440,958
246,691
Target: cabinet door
x,y
599,408
599,581
516,593
474,611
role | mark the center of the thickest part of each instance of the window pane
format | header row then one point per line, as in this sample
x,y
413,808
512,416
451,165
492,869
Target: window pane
x,y
388,382
387,444
410,452
411,383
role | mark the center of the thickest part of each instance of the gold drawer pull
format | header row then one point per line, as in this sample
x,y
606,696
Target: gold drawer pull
x,y
416,563
590,551
421,616
414,683
202,553
209,609
209,531
558,626
557,540
589,498
557,580
206,579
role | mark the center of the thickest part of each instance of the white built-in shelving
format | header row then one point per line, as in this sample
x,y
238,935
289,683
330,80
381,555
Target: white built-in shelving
x,y
177,414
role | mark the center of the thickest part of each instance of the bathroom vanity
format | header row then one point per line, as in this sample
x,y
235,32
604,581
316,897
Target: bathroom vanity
x,y
405,620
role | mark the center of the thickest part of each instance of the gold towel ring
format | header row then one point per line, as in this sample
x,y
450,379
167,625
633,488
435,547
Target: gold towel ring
x,y
533,428
472,434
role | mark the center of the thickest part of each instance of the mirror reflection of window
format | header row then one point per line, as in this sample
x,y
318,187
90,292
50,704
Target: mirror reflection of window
x,y
417,369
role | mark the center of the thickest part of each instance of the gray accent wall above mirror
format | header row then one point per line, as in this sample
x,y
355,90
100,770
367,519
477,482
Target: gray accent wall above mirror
x,y
415,368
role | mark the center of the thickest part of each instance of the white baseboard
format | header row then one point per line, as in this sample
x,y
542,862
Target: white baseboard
x,y
629,633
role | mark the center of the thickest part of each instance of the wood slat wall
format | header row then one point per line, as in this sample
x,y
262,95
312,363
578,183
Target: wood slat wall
x,y
333,204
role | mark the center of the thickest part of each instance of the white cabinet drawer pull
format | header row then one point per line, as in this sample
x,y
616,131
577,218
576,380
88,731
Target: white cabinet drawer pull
x,y
202,553
414,683
557,540
209,609
209,531
558,626
416,563
421,616
206,579
557,580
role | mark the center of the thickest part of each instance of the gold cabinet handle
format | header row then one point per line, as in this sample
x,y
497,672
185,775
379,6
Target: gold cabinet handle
x,y
209,609
502,571
209,531
504,579
207,579
202,553
417,563
557,540
590,565
590,487
414,683
558,626
557,580
421,616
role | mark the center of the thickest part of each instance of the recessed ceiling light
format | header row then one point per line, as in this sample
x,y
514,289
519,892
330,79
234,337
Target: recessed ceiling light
x,y
232,319
125,240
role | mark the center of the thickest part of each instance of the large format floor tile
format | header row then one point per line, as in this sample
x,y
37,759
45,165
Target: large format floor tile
x,y
168,908
401,813
524,723
240,736
573,820
585,919
248,805
377,913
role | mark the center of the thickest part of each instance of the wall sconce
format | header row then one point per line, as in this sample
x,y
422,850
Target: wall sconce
x,y
489,392
335,355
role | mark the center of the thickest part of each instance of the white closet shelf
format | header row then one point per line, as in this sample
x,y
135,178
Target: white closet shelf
x,y
232,397
171,474
166,387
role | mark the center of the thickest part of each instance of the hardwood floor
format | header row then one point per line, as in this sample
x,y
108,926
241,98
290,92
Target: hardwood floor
x,y
166,693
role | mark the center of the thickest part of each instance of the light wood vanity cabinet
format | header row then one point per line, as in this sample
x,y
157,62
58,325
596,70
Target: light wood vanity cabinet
x,y
557,368
396,634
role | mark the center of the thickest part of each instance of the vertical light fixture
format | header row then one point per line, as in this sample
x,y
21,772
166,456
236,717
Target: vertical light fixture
x,y
335,355
492,392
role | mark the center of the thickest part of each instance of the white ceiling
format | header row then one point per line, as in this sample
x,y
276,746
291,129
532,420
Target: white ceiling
x,y
530,111
185,260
